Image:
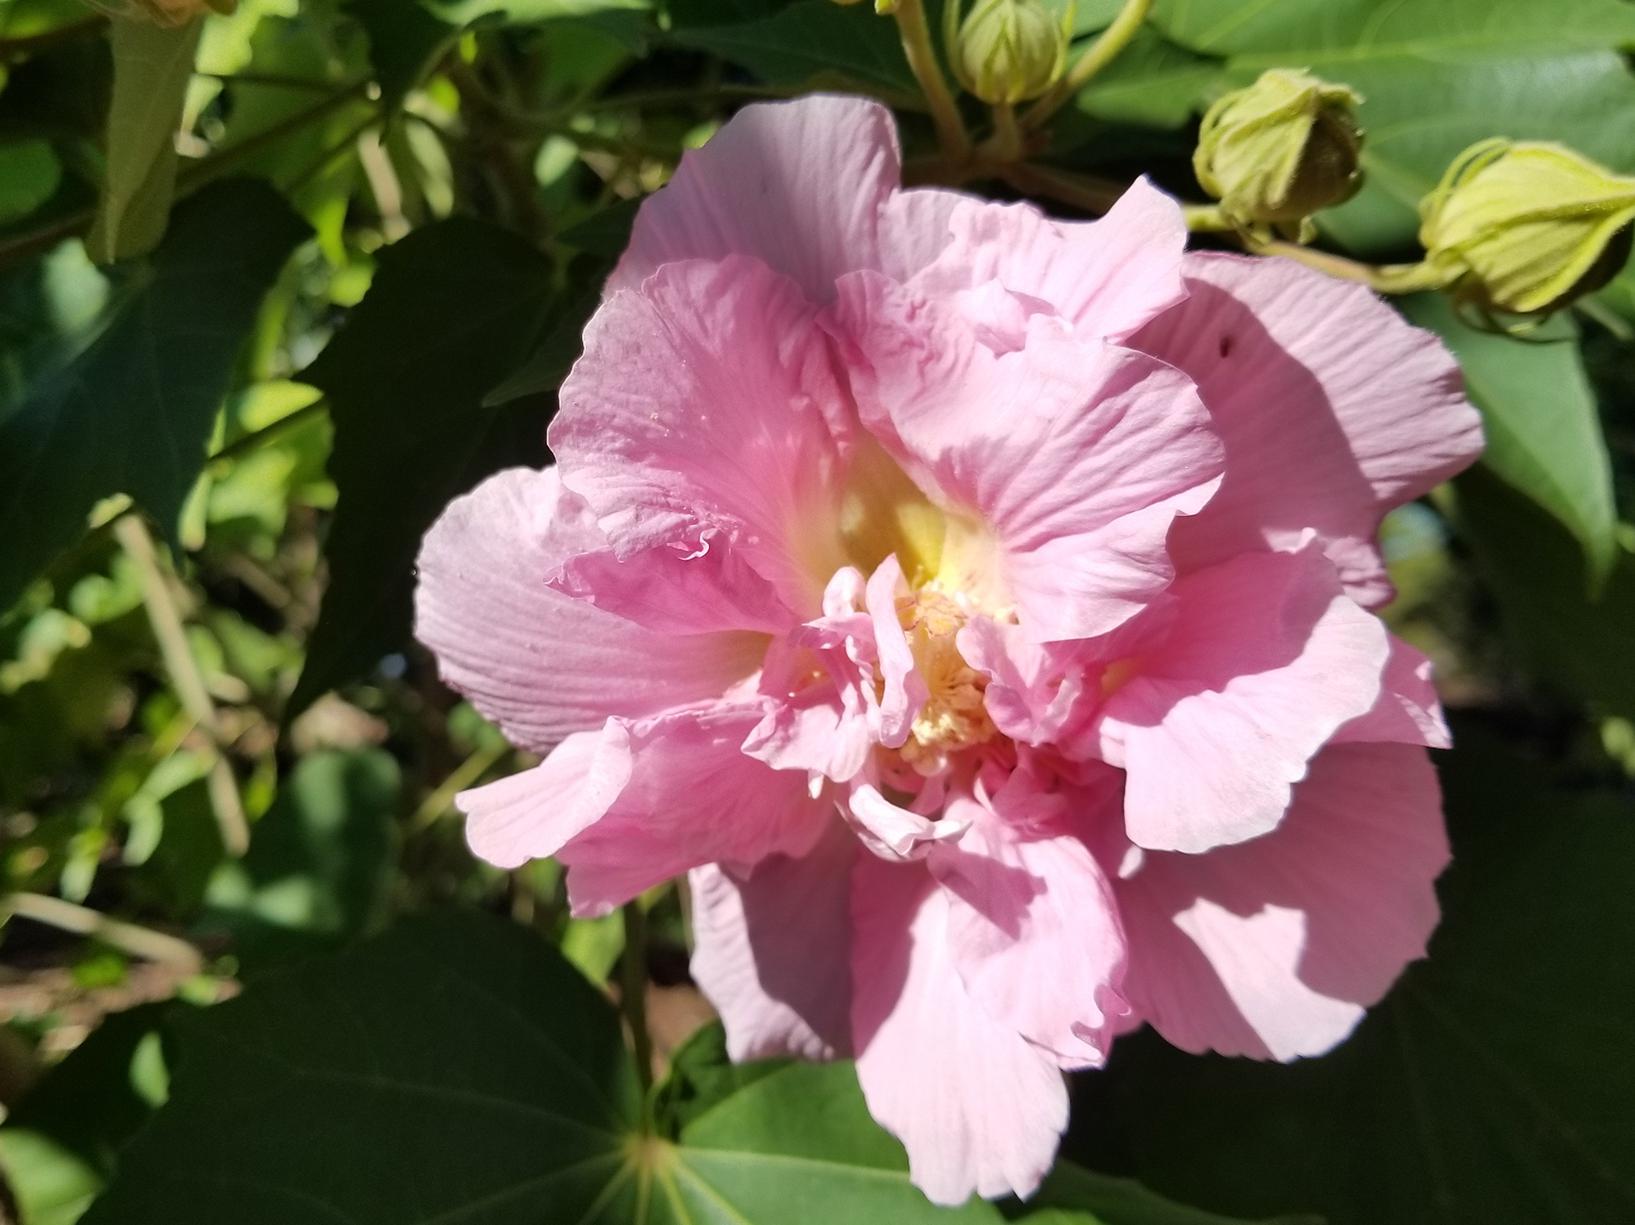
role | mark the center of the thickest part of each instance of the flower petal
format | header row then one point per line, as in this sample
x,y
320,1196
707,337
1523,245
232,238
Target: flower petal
x,y
1265,659
1077,455
1107,277
692,798
1275,948
1408,710
539,663
798,184
976,1105
1332,408
533,814
772,950
702,403
1034,933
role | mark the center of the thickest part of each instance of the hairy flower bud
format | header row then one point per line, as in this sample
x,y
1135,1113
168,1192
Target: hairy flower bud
x,y
1526,226
1008,51
1281,149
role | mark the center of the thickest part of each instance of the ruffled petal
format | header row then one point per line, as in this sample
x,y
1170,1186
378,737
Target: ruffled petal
x,y
1275,948
533,814
1076,456
1265,659
539,663
704,402
1034,933
978,1107
799,185
1332,408
772,950
692,797
1107,277
1408,710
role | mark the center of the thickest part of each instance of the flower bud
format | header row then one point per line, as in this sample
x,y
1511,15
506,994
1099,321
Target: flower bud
x,y
1526,226
1280,150
1008,51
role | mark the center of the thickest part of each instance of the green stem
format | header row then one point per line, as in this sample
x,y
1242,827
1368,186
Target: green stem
x,y
913,29
1205,218
256,438
1088,194
83,921
633,991
185,678
1006,143
1097,56
1381,278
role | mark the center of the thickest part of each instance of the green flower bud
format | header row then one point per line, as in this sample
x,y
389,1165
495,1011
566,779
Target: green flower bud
x,y
1280,150
1008,51
1525,226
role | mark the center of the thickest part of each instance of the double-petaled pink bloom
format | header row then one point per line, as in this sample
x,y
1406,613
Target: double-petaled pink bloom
x,y
977,606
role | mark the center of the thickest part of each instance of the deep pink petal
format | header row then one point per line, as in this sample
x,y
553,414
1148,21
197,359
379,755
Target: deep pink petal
x,y
976,1105
706,401
798,185
1107,277
1332,408
1034,932
772,950
1265,659
692,798
1076,455
539,663
1274,948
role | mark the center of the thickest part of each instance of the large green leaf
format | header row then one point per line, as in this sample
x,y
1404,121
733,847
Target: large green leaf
x,y
454,308
318,866
152,67
131,412
1493,1084
458,1070
1436,77
814,43
1576,639
1543,431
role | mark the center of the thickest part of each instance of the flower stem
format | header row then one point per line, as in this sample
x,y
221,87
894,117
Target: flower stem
x,y
633,991
1097,56
922,61
83,921
1205,218
1006,143
1382,278
1088,194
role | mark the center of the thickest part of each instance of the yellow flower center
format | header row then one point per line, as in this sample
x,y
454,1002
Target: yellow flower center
x,y
953,717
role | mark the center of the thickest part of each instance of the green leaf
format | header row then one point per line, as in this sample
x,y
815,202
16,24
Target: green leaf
x,y
131,411
1543,431
1493,1084
453,309
58,1146
1153,83
1576,641
29,174
406,37
1435,77
814,44
457,1069
319,862
152,67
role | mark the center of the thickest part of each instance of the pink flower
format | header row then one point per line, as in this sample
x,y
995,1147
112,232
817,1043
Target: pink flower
x,y
977,606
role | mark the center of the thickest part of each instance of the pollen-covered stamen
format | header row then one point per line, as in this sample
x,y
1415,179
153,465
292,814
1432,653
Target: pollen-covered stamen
x,y
953,717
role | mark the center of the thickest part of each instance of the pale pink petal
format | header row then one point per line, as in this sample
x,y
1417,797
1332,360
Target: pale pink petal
x,y
533,814
915,226
799,185
978,1107
1106,277
1076,455
903,689
772,950
539,663
1408,710
677,591
1265,659
1332,408
824,730
703,402
1036,692
692,798
897,833
1275,948
1034,932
